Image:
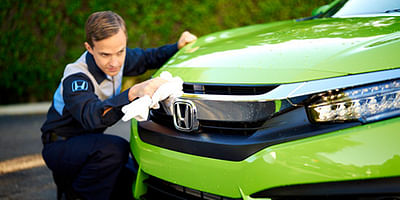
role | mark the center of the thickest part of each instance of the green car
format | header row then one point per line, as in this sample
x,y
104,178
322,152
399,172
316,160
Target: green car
x,y
296,109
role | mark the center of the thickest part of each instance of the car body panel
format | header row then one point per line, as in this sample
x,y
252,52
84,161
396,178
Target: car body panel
x,y
362,152
317,49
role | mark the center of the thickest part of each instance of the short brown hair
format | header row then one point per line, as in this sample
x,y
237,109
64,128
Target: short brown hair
x,y
104,24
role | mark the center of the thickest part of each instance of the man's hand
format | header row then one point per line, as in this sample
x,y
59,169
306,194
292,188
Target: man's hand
x,y
145,88
185,39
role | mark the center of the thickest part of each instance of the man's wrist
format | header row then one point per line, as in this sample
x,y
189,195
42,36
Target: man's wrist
x,y
132,94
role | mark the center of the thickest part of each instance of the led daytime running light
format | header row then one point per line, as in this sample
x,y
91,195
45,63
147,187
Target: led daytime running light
x,y
365,104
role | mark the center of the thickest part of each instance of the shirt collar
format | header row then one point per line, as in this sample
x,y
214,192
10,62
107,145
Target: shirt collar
x,y
98,74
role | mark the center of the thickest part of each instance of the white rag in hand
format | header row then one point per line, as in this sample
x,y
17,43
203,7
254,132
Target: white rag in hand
x,y
139,109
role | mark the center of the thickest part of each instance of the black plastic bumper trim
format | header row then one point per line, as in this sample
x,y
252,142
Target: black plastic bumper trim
x,y
235,147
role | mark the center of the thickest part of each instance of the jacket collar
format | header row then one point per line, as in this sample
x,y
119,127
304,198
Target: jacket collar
x,y
98,74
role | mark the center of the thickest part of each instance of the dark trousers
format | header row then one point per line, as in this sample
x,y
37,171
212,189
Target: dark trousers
x,y
90,164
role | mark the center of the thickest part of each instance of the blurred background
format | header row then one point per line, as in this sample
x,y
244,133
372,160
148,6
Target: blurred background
x,y
38,38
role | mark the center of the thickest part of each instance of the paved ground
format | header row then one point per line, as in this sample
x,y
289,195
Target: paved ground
x,y
22,171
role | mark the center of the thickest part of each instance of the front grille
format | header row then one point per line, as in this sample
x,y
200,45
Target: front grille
x,y
213,127
213,112
227,89
160,189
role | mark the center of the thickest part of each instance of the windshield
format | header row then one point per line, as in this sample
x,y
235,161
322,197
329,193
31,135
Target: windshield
x,y
367,8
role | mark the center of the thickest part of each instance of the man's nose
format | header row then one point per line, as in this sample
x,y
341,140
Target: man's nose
x,y
114,61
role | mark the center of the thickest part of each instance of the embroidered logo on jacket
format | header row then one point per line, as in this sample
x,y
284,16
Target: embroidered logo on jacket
x,y
79,85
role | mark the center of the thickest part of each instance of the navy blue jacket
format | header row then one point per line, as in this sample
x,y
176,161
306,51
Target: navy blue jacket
x,y
86,91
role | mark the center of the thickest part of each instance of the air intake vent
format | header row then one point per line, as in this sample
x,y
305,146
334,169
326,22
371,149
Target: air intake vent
x,y
160,189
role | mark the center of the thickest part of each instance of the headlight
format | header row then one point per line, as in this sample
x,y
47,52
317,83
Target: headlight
x,y
367,103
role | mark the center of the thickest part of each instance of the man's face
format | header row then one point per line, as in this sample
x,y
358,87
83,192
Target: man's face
x,y
109,54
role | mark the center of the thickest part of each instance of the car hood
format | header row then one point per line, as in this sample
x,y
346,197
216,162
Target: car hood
x,y
290,51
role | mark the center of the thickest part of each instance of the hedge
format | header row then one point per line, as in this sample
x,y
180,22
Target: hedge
x,y
38,38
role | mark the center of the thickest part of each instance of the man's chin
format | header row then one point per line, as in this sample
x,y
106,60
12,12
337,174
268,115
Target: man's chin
x,y
113,73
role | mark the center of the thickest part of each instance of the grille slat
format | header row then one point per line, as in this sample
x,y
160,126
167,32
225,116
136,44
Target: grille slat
x,y
227,89
160,189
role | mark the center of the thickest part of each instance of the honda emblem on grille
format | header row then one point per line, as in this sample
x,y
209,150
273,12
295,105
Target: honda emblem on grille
x,y
184,113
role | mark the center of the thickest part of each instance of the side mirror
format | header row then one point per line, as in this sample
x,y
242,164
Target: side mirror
x,y
320,10
324,8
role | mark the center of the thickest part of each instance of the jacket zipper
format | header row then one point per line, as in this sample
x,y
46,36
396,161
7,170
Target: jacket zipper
x,y
113,83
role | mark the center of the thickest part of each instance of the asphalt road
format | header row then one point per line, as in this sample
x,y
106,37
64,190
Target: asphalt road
x,y
23,174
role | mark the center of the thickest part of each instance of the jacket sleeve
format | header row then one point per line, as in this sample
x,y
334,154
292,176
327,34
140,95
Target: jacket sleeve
x,y
137,60
85,106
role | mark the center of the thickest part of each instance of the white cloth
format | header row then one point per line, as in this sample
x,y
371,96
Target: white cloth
x,y
139,109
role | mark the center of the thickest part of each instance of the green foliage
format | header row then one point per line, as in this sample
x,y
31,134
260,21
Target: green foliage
x,y
38,38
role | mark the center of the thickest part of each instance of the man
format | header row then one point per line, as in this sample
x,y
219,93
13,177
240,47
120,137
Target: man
x,y
86,163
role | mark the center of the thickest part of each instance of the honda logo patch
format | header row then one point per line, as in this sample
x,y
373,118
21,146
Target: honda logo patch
x,y
79,85
184,113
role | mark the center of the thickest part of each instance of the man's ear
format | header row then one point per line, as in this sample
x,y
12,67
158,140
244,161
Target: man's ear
x,y
88,48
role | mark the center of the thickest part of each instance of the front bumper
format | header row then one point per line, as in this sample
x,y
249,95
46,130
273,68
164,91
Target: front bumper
x,y
362,152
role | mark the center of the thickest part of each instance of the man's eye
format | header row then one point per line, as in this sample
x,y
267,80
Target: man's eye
x,y
104,55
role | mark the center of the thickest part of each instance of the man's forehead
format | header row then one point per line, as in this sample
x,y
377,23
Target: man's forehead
x,y
113,44
109,51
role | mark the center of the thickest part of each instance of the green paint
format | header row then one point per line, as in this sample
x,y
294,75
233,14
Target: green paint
x,y
285,52
139,188
328,157
278,105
